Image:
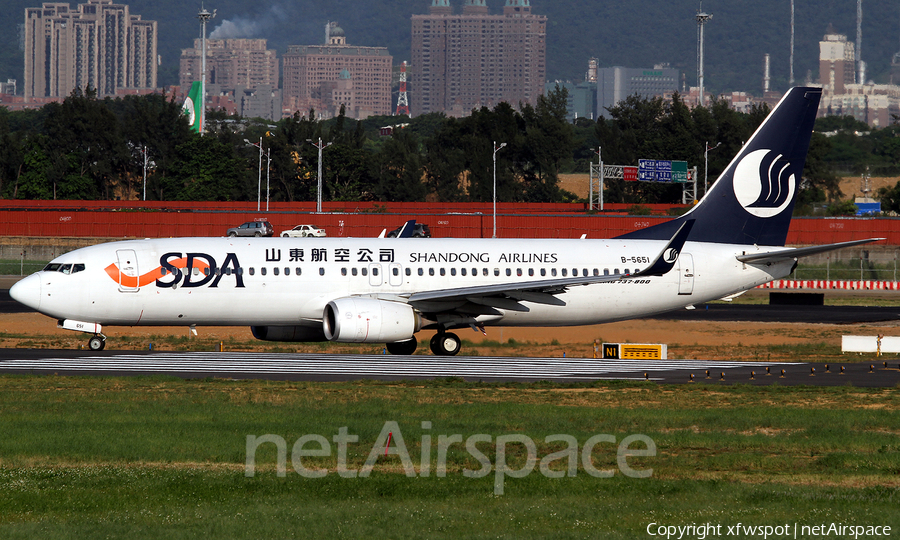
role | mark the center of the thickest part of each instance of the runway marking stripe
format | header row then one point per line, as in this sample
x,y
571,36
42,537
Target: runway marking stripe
x,y
284,363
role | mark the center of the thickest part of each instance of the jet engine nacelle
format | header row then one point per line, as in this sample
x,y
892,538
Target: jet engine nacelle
x,y
288,333
367,320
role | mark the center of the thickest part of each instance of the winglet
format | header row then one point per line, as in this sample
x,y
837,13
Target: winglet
x,y
666,259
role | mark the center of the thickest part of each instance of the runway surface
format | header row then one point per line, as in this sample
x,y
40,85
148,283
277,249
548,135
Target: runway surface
x,y
331,367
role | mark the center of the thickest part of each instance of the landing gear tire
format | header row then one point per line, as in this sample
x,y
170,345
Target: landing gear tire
x,y
406,347
97,343
445,344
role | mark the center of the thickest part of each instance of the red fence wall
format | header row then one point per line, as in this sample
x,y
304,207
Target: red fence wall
x,y
171,219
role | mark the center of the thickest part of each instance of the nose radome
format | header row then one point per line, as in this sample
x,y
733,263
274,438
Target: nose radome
x,y
27,291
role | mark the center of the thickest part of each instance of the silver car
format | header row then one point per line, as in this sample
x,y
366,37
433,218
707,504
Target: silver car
x,y
252,228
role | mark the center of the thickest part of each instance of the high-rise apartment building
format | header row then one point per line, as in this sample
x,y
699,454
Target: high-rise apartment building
x,y
842,95
100,45
230,63
326,77
837,56
473,58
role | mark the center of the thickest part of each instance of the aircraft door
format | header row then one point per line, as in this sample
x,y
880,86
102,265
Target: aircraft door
x,y
686,274
396,275
128,270
375,277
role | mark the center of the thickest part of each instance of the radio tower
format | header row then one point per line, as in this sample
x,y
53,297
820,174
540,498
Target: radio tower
x,y
402,100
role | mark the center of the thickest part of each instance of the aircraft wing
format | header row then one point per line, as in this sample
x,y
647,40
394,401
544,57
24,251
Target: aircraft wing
x,y
793,253
507,295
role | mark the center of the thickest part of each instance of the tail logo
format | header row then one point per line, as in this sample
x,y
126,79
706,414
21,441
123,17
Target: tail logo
x,y
670,255
763,185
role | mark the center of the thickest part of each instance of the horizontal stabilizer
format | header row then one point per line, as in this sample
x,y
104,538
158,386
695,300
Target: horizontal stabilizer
x,y
793,253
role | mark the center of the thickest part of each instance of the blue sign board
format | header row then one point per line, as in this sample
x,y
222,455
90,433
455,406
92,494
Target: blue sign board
x,y
647,170
660,170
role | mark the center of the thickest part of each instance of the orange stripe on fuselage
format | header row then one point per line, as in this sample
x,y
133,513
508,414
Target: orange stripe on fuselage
x,y
150,277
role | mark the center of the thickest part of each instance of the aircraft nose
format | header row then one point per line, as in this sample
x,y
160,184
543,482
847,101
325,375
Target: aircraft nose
x,y
27,291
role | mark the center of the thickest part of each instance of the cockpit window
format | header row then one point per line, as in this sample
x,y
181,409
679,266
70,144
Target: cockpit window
x,y
64,268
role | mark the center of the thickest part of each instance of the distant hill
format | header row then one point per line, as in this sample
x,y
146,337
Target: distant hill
x,y
639,33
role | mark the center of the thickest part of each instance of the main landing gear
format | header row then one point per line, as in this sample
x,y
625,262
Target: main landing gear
x,y
445,344
97,342
442,344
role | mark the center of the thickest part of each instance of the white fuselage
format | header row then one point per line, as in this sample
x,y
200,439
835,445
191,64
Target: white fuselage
x,y
288,281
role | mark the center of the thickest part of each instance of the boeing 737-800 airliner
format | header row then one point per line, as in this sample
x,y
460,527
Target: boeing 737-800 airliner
x,y
386,289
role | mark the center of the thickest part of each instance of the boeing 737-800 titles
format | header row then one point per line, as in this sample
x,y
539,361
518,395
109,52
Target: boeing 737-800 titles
x,y
385,290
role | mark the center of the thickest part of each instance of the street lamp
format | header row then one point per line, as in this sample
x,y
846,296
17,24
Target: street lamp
x,y
259,179
320,146
146,159
706,163
268,168
496,149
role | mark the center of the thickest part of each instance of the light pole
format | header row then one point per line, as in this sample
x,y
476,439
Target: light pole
x,y
204,17
702,18
268,168
706,163
145,172
259,180
320,146
496,149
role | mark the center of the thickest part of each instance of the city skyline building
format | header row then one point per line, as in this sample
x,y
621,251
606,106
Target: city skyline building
x,y
98,44
837,58
614,84
473,58
335,74
231,63
874,104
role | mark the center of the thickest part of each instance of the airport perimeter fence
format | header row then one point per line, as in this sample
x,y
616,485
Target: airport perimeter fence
x,y
849,265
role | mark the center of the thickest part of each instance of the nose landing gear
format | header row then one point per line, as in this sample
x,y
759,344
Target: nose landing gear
x,y
97,342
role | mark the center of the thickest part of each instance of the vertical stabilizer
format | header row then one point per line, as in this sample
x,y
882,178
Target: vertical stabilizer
x,y
752,201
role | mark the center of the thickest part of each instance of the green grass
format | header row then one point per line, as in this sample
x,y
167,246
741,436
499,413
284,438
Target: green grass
x,y
161,457
16,267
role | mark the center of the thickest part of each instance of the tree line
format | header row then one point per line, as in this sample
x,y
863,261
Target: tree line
x,y
88,148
